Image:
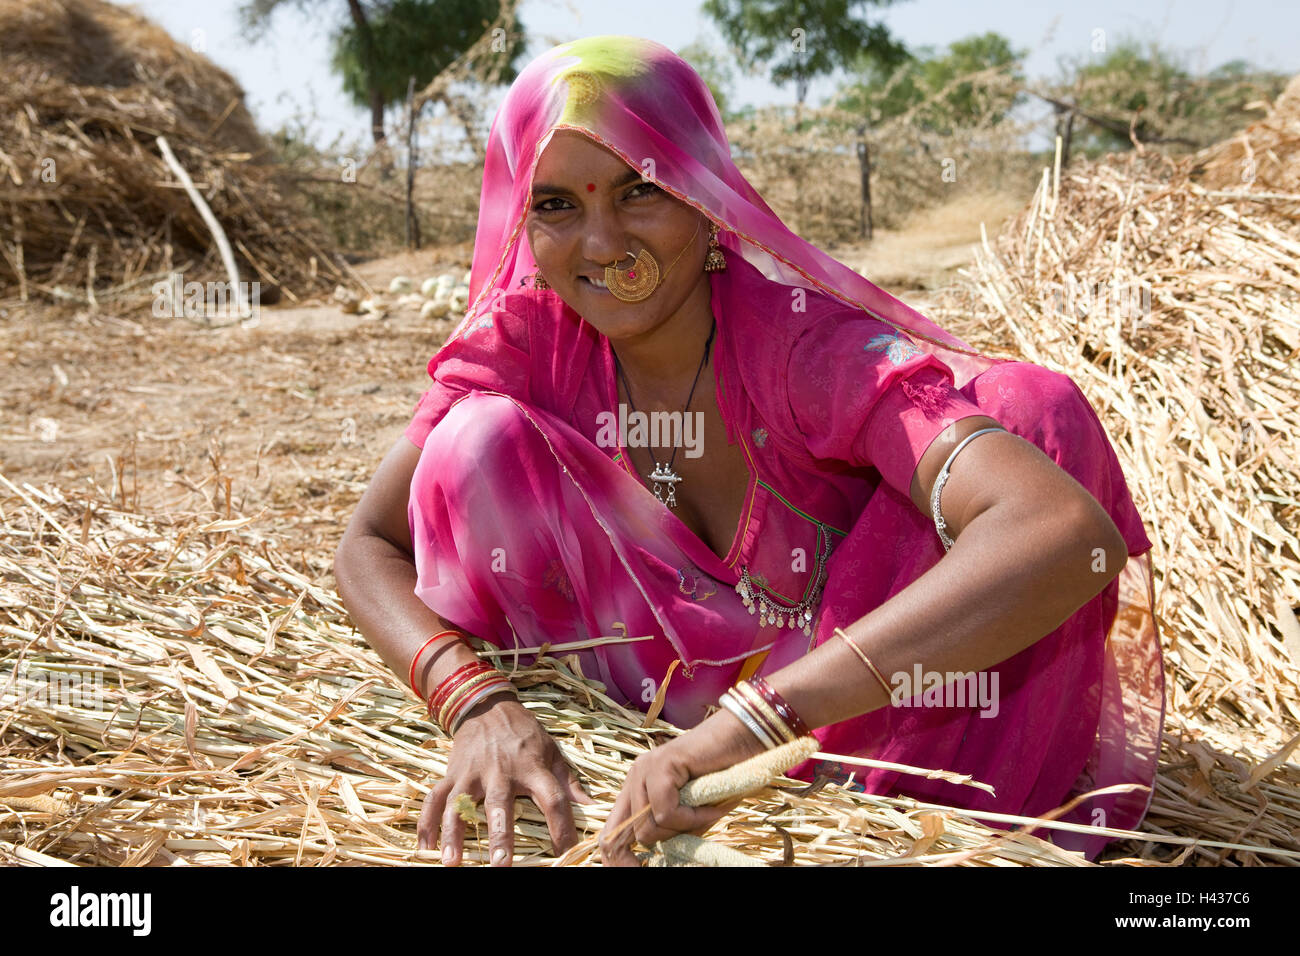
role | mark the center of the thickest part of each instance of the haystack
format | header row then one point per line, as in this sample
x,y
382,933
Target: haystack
x,y
1175,305
91,213
1264,156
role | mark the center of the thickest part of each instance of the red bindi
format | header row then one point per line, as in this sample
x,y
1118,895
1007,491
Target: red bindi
x,y
591,187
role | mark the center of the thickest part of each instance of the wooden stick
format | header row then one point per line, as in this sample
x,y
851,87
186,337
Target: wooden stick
x,y
218,234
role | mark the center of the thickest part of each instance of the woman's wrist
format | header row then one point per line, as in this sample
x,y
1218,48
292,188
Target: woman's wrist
x,y
731,738
445,662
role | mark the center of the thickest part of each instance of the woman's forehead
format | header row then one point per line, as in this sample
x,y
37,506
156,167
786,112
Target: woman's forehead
x,y
571,154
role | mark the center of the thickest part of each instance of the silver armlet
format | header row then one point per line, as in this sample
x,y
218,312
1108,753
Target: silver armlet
x,y
939,523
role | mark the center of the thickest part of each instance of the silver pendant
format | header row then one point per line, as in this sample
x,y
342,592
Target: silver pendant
x,y
665,475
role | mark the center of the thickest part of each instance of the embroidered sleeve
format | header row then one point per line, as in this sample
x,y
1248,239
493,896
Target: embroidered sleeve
x,y
862,393
491,354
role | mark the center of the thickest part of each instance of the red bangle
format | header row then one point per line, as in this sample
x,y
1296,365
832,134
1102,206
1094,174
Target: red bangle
x,y
457,696
778,704
422,649
458,677
453,680
482,692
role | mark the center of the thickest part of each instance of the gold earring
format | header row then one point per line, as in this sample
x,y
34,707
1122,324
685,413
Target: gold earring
x,y
714,262
539,280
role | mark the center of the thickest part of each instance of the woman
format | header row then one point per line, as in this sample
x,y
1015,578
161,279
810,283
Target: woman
x,y
779,536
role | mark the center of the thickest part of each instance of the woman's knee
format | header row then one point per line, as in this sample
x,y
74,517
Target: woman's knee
x,y
476,427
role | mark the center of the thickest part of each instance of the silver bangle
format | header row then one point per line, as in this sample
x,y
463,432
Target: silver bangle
x,y
481,695
939,523
755,728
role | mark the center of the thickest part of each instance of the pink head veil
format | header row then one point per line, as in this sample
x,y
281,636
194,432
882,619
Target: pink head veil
x,y
649,106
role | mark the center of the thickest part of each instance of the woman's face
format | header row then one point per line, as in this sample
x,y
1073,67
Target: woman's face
x,y
589,209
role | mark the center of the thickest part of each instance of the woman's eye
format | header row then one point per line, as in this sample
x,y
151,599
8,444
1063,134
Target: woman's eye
x,y
650,189
545,205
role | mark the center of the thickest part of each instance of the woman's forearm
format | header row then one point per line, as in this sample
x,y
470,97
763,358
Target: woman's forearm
x,y
1014,575
376,580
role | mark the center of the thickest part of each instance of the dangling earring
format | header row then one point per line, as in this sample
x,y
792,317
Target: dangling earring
x,y
714,262
539,280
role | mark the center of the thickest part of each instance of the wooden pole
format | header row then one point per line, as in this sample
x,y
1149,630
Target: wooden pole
x,y
864,176
412,224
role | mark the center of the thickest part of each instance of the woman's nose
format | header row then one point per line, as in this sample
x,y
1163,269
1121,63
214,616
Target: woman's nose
x,y
605,241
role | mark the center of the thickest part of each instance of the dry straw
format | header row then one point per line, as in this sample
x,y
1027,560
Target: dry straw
x,y
92,213
1173,301
242,720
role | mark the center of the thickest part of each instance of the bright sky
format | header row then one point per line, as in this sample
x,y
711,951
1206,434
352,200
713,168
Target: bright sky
x,y
289,73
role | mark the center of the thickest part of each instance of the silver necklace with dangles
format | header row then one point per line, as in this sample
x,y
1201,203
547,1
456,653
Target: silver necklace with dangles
x,y
663,474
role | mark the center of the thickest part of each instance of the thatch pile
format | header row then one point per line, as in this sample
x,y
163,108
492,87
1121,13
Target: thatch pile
x,y
1264,156
90,211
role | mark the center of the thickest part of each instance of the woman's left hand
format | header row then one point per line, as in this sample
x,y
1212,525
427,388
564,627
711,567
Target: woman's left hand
x,y
719,742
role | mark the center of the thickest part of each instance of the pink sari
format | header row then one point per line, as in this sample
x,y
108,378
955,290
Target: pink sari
x,y
529,527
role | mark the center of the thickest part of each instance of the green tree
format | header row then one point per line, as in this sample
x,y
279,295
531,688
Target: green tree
x,y
381,44
976,81
1154,92
800,40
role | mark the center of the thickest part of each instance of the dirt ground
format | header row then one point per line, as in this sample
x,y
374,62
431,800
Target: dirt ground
x,y
288,417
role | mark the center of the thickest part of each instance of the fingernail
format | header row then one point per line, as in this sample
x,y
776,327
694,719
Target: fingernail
x,y
498,856
446,854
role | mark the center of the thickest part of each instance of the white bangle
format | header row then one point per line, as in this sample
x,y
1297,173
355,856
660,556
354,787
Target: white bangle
x,y
939,523
483,694
755,728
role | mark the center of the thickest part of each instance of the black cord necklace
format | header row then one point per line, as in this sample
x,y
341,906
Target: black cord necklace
x,y
664,474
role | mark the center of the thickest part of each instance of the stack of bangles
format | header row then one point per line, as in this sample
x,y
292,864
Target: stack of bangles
x,y
764,712
462,690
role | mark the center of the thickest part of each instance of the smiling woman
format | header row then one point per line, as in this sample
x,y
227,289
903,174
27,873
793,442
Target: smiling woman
x,y
877,518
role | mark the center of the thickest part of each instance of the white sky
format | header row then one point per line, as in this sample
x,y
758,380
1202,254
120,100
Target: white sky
x,y
288,72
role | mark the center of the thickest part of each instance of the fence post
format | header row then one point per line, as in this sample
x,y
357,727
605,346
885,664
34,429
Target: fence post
x,y
412,224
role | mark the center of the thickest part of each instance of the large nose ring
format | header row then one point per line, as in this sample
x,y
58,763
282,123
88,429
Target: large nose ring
x,y
636,282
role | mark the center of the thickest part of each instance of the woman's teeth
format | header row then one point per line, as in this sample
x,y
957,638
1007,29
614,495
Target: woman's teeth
x,y
599,284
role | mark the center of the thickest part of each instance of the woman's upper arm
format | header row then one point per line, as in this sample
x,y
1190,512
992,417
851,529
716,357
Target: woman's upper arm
x,y
864,394
383,508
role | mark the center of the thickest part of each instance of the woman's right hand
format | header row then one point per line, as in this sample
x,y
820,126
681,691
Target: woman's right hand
x,y
500,752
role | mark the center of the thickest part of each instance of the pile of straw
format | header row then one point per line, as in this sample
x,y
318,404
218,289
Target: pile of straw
x,y
91,212
1174,308
229,714
1265,155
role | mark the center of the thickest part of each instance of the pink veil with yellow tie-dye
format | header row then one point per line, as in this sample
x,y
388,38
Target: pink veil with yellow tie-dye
x,y
643,102
648,106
